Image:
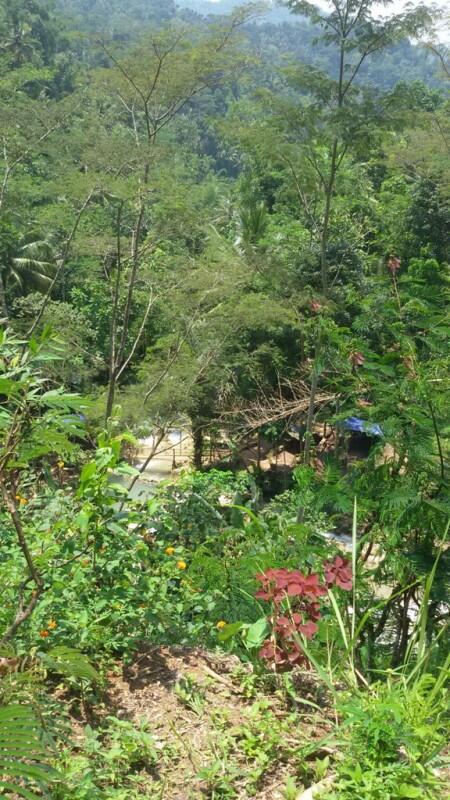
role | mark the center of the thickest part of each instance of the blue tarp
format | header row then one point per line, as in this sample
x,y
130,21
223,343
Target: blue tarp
x,y
362,426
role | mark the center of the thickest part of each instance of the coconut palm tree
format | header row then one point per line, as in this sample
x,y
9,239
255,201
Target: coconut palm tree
x,y
32,269
20,45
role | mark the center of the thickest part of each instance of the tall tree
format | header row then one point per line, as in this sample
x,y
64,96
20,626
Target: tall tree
x,y
153,84
337,111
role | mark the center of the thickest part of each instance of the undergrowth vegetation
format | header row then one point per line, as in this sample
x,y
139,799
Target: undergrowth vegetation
x,y
202,563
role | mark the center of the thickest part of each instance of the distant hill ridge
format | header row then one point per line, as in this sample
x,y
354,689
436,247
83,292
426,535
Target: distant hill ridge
x,y
208,7
274,35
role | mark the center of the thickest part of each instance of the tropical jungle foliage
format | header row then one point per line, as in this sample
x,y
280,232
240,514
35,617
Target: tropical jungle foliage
x,y
232,223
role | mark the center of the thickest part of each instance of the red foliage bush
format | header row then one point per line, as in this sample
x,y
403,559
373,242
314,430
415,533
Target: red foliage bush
x,y
338,573
296,609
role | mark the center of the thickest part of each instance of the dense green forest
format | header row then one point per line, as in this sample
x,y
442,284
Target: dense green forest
x,y
224,400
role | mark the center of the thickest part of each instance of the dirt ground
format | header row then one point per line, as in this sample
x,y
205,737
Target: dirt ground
x,y
219,735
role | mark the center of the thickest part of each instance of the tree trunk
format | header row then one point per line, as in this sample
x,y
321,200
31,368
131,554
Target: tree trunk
x,y
112,377
326,219
111,394
197,434
312,400
329,189
310,417
3,304
25,608
403,626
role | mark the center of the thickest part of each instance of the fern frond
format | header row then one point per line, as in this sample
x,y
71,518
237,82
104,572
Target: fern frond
x,y
23,754
69,662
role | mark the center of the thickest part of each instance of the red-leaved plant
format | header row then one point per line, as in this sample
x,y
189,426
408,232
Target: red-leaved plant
x,y
294,597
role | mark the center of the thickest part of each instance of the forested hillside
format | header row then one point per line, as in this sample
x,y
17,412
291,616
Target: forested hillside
x,y
224,427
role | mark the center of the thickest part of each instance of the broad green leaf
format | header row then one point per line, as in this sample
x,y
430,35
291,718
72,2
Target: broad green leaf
x,y
256,633
230,630
407,790
88,471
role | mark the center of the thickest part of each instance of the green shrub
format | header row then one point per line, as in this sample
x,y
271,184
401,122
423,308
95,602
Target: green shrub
x,y
392,737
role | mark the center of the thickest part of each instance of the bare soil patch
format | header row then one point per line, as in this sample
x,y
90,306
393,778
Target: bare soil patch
x,y
218,733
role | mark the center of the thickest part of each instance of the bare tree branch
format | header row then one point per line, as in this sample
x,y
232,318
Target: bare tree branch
x,y
62,263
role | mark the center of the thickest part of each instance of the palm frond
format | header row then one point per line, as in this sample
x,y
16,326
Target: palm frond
x,y
28,278
45,268
35,266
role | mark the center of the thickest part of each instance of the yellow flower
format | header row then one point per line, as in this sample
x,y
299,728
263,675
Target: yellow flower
x,y
52,624
23,501
60,464
18,497
181,564
170,551
221,624
44,634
